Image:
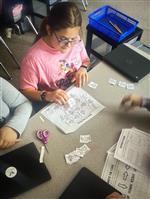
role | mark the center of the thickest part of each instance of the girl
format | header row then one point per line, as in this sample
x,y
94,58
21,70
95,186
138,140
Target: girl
x,y
57,59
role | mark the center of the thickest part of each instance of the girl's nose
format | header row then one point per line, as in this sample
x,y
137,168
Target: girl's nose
x,y
68,44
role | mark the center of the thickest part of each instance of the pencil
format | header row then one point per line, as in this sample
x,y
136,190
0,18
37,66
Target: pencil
x,y
115,26
41,118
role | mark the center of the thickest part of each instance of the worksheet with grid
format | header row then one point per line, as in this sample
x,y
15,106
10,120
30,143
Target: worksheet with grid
x,y
80,108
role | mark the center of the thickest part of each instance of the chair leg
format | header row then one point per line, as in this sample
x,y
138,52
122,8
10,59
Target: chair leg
x,y
10,52
31,24
86,2
18,29
5,70
84,5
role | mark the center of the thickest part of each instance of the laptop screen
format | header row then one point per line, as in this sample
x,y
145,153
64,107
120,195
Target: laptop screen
x,y
20,171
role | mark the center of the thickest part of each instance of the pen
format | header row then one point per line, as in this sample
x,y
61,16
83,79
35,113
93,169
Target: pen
x,y
115,26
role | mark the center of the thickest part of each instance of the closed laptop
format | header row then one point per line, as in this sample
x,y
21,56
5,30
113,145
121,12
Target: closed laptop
x,y
87,185
20,171
130,63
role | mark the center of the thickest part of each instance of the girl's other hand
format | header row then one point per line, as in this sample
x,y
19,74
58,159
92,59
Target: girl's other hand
x,y
81,77
132,100
8,137
58,96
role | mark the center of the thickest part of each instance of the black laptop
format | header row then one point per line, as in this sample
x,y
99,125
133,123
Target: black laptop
x,y
87,185
20,171
130,63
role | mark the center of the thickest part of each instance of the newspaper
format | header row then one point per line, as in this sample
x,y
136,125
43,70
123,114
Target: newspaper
x,y
133,148
80,108
126,166
130,182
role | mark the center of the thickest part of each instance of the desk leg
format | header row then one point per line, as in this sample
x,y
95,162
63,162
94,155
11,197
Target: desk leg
x,y
139,36
89,42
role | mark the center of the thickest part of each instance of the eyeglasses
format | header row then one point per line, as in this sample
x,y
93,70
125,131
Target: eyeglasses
x,y
65,41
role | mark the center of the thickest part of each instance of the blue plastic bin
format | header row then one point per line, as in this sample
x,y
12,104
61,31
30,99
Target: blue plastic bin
x,y
103,18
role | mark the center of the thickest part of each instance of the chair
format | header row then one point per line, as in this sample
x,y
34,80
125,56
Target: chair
x,y
5,70
7,19
8,49
11,54
47,3
15,12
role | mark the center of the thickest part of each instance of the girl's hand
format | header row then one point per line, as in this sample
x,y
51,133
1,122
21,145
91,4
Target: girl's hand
x,y
58,96
8,137
81,77
132,100
114,195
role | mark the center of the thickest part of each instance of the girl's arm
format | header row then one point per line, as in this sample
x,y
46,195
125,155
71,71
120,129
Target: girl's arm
x,y
19,105
58,96
81,76
84,56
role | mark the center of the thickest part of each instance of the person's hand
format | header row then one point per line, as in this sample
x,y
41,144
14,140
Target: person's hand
x,y
81,77
132,101
114,195
58,96
8,137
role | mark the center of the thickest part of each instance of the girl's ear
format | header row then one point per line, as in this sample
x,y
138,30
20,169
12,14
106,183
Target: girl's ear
x,y
48,30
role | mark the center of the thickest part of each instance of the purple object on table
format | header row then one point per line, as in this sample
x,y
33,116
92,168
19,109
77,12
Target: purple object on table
x,y
43,136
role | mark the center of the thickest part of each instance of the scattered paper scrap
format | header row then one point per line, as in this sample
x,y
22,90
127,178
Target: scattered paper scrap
x,y
84,148
71,158
74,156
130,86
93,85
122,84
85,139
112,81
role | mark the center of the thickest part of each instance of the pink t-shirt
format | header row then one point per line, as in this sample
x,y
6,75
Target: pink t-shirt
x,y
45,68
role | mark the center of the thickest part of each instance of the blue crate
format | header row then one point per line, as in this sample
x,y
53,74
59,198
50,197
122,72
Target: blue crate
x,y
102,18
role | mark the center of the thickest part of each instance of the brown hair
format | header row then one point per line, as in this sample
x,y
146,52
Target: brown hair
x,y
62,15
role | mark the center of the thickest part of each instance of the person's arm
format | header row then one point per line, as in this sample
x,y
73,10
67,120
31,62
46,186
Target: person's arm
x,y
146,103
114,195
84,56
58,96
81,76
19,105
136,101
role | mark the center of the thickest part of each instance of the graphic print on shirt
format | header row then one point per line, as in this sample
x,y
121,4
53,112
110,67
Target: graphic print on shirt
x,y
69,70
